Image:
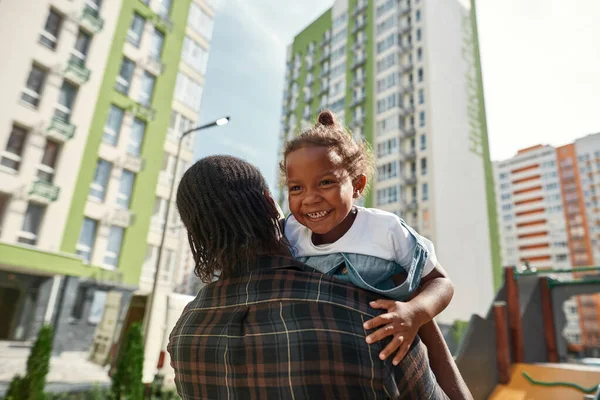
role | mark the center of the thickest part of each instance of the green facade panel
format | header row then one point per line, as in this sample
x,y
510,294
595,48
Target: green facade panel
x,y
134,246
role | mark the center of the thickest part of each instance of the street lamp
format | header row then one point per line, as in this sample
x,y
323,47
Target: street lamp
x,y
150,303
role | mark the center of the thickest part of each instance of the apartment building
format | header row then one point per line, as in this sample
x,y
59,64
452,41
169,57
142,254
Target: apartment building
x,y
95,96
548,214
405,76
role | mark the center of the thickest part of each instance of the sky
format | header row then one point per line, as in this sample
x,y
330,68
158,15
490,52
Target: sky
x,y
540,61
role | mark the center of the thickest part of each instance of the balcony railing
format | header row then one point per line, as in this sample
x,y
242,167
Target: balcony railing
x,y
405,28
357,101
45,190
411,205
359,43
91,19
325,55
408,133
324,89
155,65
358,26
360,7
163,22
143,111
358,62
77,70
409,155
410,179
61,129
407,110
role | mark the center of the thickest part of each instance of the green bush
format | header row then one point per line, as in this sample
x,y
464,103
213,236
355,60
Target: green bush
x,y
458,330
31,386
127,379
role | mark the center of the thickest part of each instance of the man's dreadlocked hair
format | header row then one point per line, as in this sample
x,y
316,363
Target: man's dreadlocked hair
x,y
356,158
230,221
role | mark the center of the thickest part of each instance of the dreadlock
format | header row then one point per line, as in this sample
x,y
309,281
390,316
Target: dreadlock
x,y
356,158
229,220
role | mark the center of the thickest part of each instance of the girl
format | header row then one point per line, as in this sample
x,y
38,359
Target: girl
x,y
325,172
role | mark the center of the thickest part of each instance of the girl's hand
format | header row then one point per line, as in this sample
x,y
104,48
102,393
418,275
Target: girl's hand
x,y
401,322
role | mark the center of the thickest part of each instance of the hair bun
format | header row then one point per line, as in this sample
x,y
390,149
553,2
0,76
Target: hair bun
x,y
326,118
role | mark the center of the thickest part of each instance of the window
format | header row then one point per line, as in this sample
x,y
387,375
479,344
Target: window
x,y
125,75
387,196
11,157
387,171
35,83
159,215
136,137
156,47
82,46
115,238
388,103
423,142
422,118
49,36
125,189
388,147
199,21
3,203
421,96
505,196
388,81
418,15
164,9
31,224
101,177
46,168
147,88
418,34
66,98
97,307
387,43
423,166
113,125
387,62
188,91
136,30
420,75
194,55
506,207
425,191
419,54
87,238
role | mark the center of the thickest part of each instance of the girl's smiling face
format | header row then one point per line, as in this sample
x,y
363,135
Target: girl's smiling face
x,y
321,192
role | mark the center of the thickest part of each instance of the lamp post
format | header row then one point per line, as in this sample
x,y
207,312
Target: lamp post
x,y
150,303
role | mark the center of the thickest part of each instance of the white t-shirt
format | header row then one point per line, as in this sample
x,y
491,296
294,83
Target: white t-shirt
x,y
374,233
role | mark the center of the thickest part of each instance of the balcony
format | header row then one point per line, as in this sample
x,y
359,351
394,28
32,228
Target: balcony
x,y
408,133
310,65
405,48
359,81
407,88
357,101
405,28
325,56
76,71
121,217
410,179
131,163
324,73
411,205
91,20
405,9
358,120
360,7
406,68
358,26
407,110
45,192
163,22
143,111
324,89
409,155
308,98
359,44
154,65
358,62
60,130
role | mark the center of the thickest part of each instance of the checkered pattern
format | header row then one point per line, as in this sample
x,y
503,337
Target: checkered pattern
x,y
280,331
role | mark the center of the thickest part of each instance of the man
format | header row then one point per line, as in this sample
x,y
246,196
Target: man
x,y
271,327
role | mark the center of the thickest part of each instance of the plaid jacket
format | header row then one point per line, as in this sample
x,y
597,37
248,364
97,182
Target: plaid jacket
x,y
281,331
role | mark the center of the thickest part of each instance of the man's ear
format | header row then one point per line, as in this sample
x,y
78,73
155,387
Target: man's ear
x,y
269,197
360,183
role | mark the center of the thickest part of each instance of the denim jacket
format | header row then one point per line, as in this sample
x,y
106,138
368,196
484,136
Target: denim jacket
x,y
373,273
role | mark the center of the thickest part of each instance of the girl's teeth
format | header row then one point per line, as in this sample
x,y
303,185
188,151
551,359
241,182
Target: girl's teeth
x,y
318,215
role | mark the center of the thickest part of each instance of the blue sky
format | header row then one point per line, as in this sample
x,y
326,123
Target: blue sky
x,y
540,65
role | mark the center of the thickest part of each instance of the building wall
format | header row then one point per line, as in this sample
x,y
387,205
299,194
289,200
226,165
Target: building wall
x,y
457,178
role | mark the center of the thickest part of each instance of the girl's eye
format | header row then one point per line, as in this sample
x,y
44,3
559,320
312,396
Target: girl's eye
x,y
326,182
294,188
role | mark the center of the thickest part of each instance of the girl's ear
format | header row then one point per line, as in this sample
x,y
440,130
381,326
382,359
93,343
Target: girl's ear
x,y
360,182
